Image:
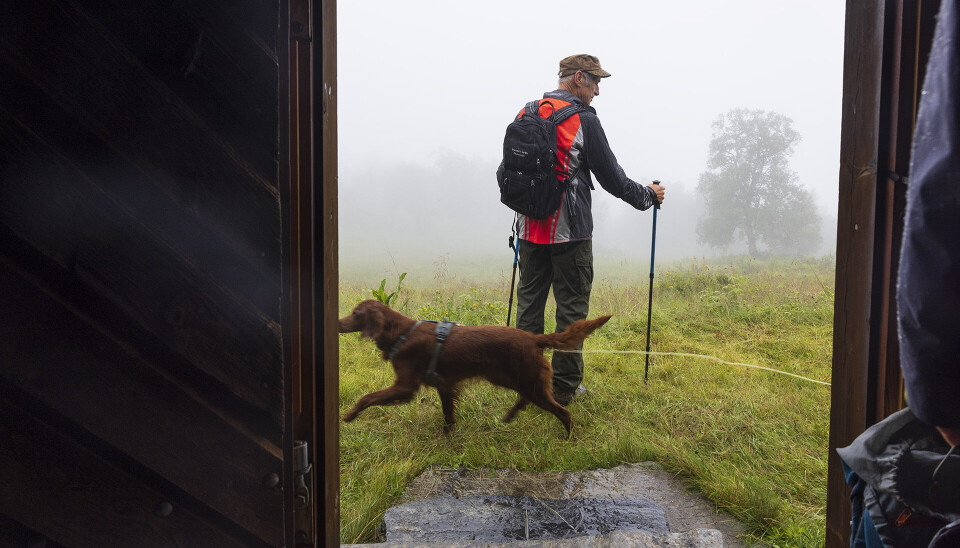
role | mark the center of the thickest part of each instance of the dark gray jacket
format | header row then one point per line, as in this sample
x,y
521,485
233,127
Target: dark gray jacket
x,y
892,465
589,153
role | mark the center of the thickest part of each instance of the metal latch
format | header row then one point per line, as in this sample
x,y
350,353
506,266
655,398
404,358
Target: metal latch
x,y
303,504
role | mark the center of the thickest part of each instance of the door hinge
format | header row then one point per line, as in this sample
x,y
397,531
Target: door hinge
x,y
301,20
302,501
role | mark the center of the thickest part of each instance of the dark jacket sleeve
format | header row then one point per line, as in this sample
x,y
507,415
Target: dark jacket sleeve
x,y
603,164
928,292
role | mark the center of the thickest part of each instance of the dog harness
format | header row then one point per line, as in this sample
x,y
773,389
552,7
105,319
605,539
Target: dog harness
x,y
442,332
400,340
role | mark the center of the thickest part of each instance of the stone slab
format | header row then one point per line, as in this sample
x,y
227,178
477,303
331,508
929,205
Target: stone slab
x,y
699,538
505,518
691,520
685,510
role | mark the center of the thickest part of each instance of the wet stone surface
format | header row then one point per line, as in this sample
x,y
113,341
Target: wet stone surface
x,y
503,518
629,506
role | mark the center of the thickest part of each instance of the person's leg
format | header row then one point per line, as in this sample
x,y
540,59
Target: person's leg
x,y
536,274
572,282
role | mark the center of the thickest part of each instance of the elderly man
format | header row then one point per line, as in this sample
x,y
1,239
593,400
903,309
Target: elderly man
x,y
557,251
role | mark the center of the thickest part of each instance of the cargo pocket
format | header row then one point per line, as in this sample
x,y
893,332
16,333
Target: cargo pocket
x,y
584,262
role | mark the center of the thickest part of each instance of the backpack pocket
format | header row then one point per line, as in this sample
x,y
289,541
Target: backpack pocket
x,y
528,195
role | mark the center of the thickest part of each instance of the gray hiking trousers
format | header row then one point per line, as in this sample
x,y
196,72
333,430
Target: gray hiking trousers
x,y
567,268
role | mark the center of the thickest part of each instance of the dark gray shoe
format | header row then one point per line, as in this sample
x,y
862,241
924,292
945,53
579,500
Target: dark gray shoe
x,y
566,398
563,398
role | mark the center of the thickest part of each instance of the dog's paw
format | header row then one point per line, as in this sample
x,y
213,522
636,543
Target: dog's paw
x,y
347,417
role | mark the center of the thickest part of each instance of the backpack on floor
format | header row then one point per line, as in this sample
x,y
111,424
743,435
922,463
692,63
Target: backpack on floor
x,y
527,176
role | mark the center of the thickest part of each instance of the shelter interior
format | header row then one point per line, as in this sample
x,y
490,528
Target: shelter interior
x,y
168,259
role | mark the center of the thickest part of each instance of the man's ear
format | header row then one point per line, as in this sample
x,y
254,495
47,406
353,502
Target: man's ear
x,y
372,323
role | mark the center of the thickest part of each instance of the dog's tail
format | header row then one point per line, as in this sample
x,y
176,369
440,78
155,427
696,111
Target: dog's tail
x,y
571,336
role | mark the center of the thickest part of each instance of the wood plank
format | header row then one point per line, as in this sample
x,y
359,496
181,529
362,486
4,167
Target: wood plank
x,y
110,92
16,534
106,389
900,89
66,217
67,494
205,56
64,287
863,47
325,189
34,132
289,274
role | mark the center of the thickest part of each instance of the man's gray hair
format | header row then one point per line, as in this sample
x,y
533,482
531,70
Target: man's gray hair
x,y
569,78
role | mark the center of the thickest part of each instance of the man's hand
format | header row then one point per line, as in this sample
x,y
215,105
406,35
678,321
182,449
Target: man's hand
x,y
659,190
952,435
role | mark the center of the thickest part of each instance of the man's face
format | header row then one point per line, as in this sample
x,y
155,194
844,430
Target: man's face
x,y
587,87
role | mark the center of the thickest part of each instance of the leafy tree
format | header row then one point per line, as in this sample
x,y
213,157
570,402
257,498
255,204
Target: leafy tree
x,y
750,193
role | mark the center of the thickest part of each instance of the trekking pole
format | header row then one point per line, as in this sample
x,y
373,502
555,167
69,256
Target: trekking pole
x,y
513,277
653,250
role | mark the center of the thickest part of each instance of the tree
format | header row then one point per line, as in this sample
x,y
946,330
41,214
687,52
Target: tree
x,y
750,193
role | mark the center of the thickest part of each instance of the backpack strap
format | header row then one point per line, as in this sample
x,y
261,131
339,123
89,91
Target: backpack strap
x,y
566,112
558,115
533,107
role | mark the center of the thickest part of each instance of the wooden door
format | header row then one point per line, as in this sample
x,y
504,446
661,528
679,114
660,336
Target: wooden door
x,y
144,323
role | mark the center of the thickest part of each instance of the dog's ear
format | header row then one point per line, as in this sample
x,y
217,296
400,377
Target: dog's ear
x,y
372,323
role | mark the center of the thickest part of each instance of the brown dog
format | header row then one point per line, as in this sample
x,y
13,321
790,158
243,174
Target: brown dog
x,y
505,356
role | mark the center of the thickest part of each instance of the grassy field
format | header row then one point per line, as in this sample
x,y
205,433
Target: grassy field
x,y
752,441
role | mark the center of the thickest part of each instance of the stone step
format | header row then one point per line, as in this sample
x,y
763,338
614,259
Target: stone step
x,y
700,538
504,518
636,505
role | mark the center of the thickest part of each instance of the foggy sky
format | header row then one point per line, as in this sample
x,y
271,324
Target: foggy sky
x,y
426,89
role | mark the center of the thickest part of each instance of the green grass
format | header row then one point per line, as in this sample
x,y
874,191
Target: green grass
x,y
753,442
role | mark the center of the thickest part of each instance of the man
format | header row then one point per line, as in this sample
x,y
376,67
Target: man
x,y
557,251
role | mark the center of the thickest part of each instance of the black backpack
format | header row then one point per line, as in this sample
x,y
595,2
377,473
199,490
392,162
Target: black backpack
x,y
527,175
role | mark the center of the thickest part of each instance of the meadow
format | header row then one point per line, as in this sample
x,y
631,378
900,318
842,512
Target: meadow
x,y
753,441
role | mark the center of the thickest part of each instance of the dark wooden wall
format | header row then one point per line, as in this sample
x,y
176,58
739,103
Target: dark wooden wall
x,y
887,43
140,261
